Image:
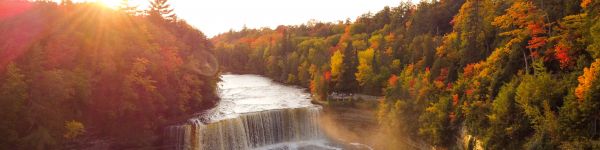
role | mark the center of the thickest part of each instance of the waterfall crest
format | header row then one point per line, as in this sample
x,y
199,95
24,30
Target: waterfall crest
x,y
247,131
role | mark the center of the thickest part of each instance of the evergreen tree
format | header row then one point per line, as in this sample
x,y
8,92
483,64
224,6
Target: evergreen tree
x,y
161,10
346,82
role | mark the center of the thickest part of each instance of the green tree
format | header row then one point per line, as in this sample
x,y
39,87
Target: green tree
x,y
435,122
346,80
473,25
579,116
508,126
539,96
319,86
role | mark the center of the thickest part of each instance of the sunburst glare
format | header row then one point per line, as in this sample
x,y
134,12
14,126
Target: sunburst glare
x,y
111,3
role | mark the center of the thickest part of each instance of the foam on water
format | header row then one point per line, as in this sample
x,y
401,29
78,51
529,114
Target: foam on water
x,y
254,113
251,93
310,144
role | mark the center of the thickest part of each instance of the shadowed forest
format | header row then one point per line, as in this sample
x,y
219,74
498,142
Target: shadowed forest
x,y
74,73
511,74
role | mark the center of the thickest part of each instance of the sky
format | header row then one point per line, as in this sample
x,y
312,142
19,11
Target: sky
x,y
217,16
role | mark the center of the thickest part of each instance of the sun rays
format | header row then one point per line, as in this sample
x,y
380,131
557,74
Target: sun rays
x,y
113,4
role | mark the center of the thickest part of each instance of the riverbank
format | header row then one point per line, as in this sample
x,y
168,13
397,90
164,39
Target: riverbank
x,y
348,120
354,121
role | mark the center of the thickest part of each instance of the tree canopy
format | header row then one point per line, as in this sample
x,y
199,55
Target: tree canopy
x,y
513,74
78,73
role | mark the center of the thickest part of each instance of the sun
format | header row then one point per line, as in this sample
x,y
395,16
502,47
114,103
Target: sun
x,y
111,3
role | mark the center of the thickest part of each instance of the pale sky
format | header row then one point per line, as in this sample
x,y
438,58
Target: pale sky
x,y
217,16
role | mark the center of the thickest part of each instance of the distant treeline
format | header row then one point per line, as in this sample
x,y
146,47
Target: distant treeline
x,y
72,74
515,74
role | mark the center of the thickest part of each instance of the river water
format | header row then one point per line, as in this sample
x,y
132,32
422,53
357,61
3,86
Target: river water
x,y
252,93
254,113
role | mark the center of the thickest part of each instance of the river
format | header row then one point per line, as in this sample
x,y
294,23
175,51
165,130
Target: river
x,y
255,113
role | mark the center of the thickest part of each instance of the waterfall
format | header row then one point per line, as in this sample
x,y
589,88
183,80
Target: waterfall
x,y
247,131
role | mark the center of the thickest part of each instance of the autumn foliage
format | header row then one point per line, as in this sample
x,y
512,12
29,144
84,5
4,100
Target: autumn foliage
x,y
393,81
72,74
587,80
562,54
502,72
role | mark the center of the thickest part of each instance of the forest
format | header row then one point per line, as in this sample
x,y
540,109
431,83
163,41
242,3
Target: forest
x,y
72,74
514,74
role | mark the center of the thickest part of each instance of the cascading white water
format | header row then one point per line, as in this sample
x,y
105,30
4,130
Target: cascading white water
x,y
249,130
254,113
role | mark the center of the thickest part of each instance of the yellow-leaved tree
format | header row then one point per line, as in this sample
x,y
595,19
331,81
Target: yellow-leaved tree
x,y
336,64
365,72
